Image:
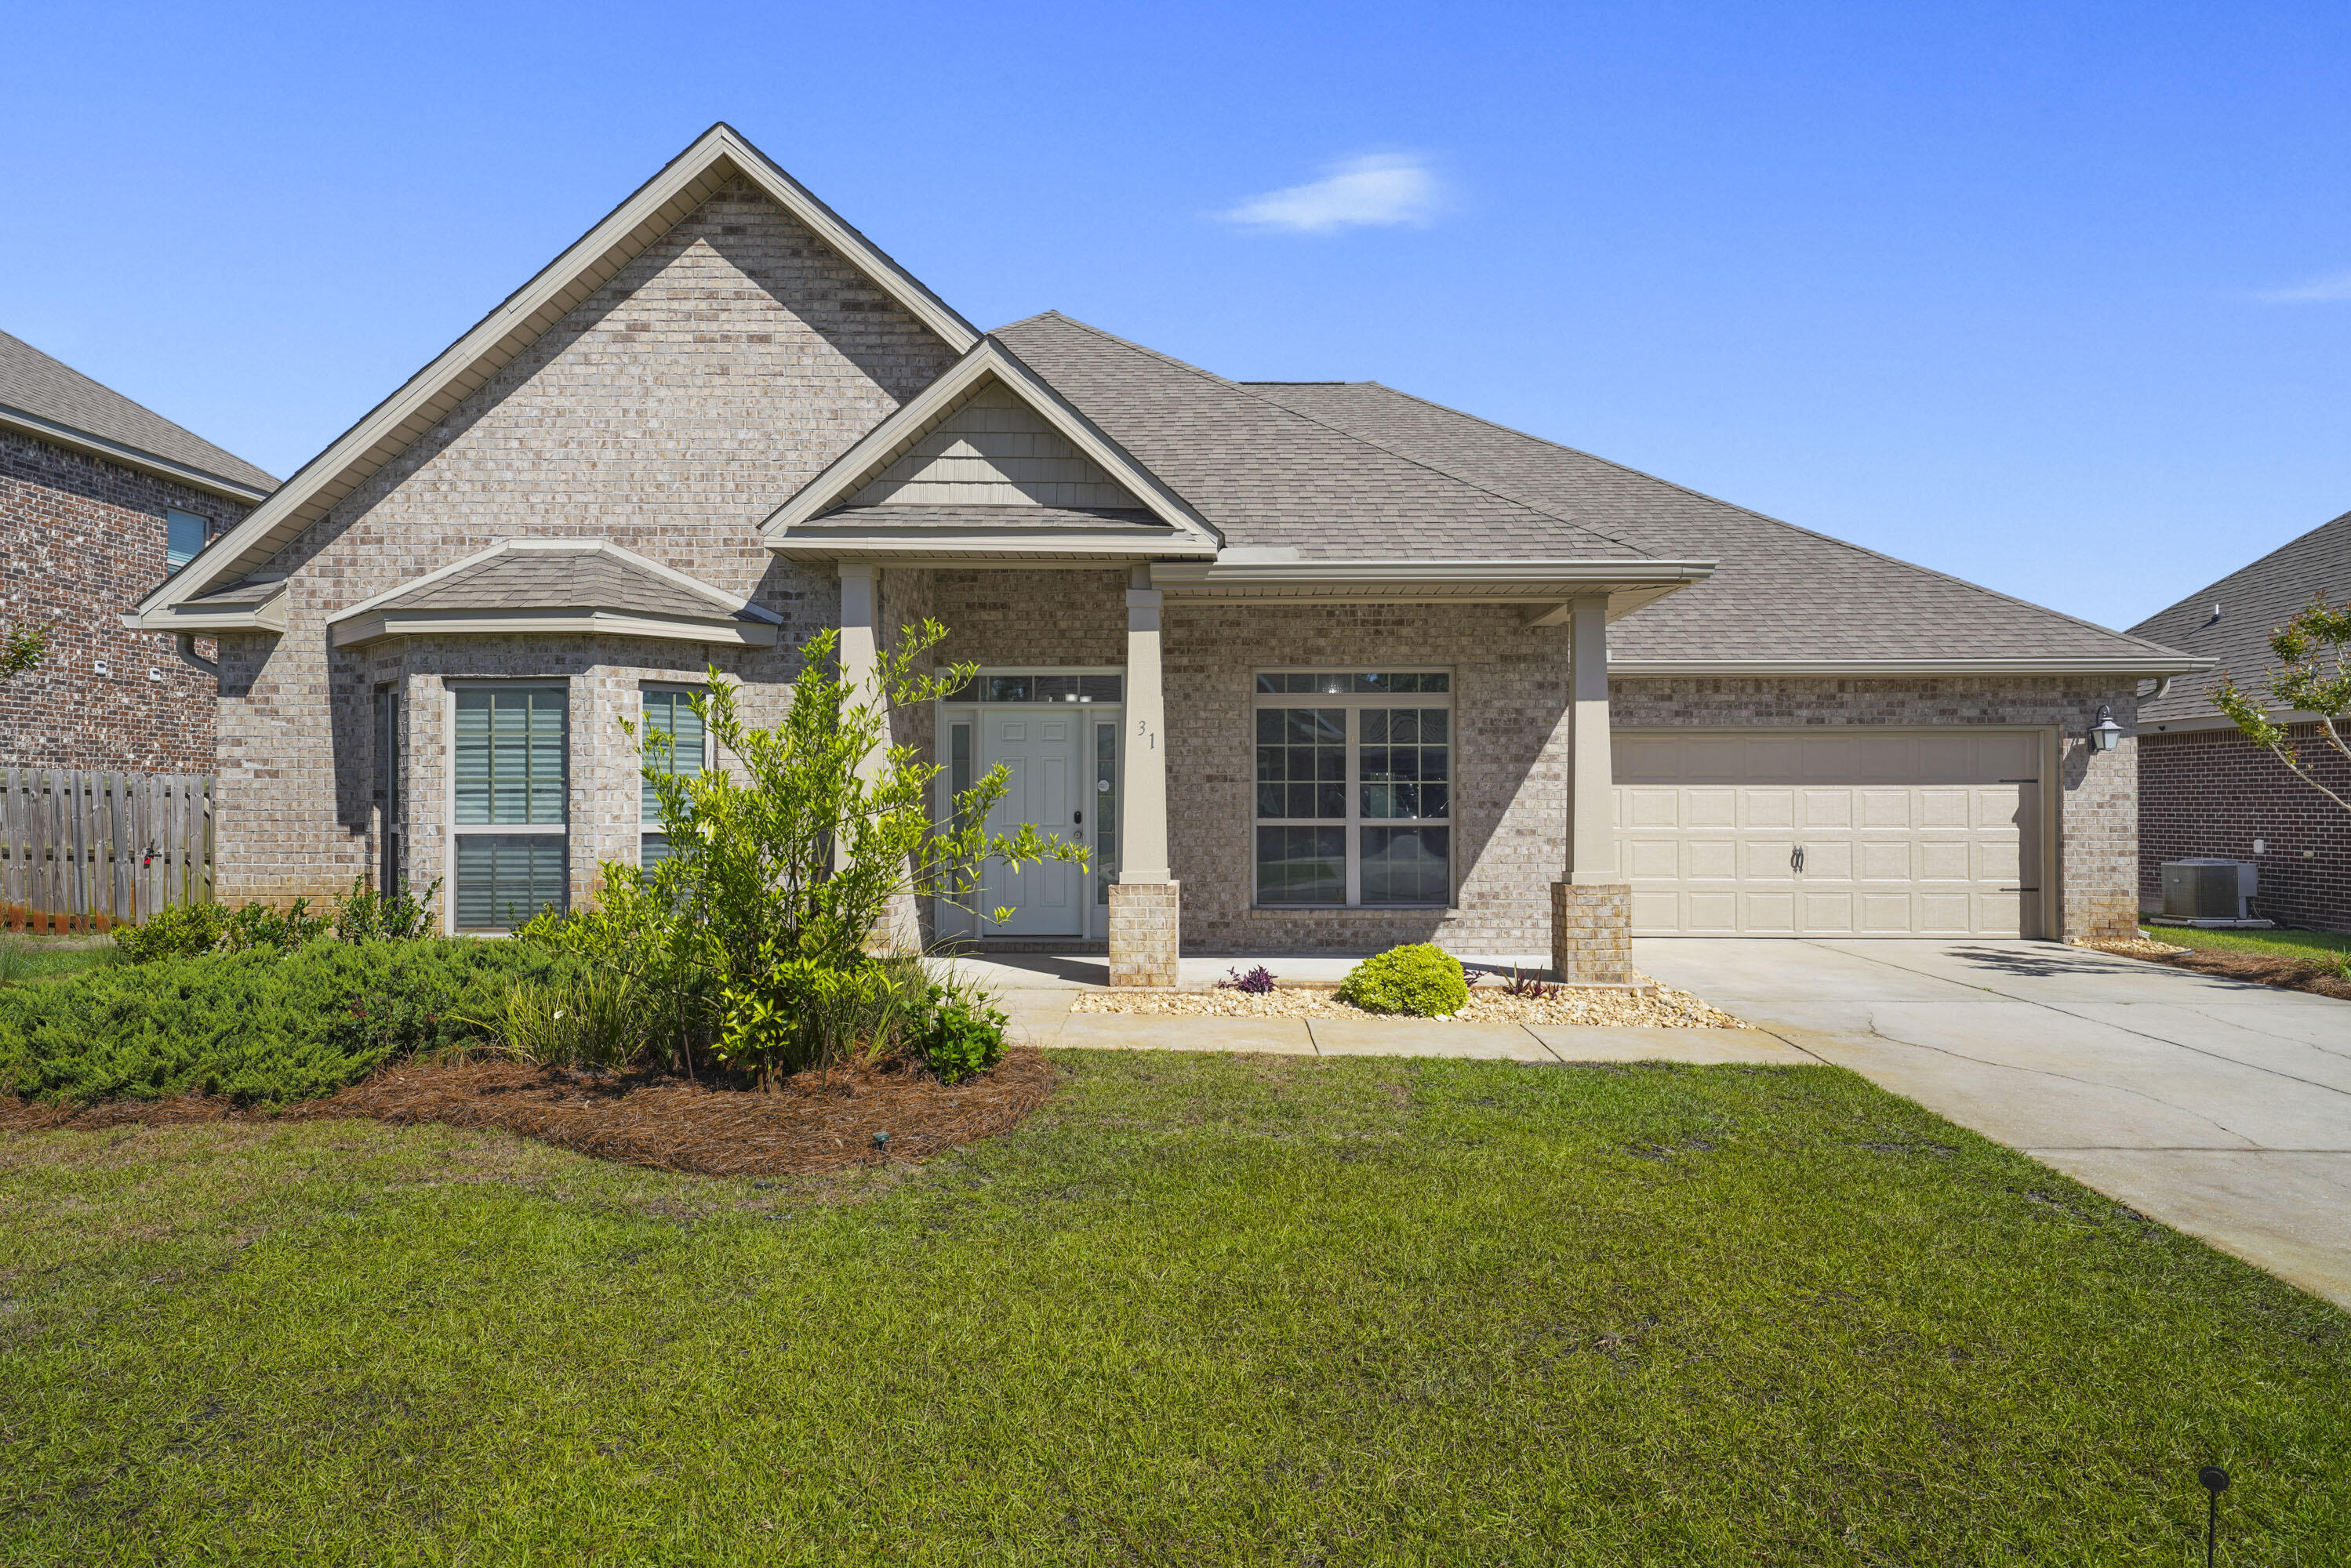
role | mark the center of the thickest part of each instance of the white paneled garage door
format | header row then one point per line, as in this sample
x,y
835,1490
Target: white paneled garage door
x,y
1774,833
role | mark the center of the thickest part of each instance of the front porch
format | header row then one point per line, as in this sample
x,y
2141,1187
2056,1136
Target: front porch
x,y
1458,792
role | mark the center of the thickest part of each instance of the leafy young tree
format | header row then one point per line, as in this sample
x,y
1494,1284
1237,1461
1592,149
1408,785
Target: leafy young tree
x,y
2314,652
22,648
760,927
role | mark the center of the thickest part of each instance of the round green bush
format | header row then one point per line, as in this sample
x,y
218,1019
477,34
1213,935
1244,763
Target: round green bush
x,y
1421,979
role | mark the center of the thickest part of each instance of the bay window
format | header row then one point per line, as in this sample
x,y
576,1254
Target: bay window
x,y
510,820
1354,788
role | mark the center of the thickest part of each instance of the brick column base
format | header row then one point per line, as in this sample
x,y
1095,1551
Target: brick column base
x,y
1145,930
1592,932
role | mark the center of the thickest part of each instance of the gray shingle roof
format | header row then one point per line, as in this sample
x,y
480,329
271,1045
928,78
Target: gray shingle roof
x,y
592,577
1264,474
56,393
1778,593
867,519
2252,600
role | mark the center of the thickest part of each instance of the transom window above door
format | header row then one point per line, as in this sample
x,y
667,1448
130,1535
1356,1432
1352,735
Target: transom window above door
x,y
1354,788
1026,688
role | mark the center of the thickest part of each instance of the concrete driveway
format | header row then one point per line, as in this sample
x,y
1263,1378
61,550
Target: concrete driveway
x,y
2221,1108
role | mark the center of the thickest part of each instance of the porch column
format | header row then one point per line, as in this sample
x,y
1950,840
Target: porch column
x,y
1591,909
1144,912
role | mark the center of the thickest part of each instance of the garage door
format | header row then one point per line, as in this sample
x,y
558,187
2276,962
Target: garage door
x,y
1780,834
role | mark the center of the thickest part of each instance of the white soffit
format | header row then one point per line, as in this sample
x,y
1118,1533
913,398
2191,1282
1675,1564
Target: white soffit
x,y
989,359
627,232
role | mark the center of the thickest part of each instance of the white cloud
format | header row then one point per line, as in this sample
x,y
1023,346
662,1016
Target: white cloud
x,y
1387,188
2318,290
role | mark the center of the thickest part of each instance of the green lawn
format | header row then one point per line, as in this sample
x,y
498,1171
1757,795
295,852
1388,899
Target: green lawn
x,y
1200,1310
2318,944
28,958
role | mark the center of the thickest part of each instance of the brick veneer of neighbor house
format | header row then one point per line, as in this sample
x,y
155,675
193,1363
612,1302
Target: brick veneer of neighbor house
x,y
81,539
2214,792
719,370
1512,752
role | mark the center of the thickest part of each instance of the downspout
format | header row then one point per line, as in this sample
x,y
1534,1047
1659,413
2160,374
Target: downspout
x,y
185,646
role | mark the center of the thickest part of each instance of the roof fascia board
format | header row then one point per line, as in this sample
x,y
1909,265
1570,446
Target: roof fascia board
x,y
2054,664
394,423
987,358
377,625
266,615
1512,580
82,441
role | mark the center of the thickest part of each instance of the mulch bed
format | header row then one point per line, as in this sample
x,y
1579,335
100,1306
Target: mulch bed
x,y
812,1125
2261,969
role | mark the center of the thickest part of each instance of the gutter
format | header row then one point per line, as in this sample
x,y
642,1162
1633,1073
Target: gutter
x,y
128,456
2138,666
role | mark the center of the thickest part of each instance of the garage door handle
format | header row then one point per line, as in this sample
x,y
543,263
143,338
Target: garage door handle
x,y
1796,859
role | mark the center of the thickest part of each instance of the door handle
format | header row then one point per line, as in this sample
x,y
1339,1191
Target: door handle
x,y
1796,859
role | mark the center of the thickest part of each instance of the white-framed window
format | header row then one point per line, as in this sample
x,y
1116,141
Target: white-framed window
x,y
185,535
668,710
510,803
1354,788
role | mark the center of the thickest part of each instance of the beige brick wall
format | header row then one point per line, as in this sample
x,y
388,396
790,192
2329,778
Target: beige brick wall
x,y
671,413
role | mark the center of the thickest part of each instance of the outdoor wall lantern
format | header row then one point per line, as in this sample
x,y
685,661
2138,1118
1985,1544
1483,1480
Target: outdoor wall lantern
x,y
2105,732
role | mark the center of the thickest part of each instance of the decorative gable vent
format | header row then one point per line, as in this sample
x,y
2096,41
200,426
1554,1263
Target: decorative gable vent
x,y
991,449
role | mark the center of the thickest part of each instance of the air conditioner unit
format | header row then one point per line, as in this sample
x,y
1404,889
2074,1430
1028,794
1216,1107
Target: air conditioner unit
x,y
2209,889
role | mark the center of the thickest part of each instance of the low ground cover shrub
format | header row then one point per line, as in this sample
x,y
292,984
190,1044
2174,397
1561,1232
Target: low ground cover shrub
x,y
261,1026
1419,979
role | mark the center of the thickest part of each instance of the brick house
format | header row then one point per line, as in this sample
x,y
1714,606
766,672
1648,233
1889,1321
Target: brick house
x,y
1309,666
100,500
2204,789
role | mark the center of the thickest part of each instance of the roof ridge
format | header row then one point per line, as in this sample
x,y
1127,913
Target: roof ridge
x,y
1766,517
2214,586
1246,389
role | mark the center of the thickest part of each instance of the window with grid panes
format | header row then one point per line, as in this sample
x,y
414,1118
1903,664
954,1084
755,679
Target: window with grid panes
x,y
511,757
668,712
1355,787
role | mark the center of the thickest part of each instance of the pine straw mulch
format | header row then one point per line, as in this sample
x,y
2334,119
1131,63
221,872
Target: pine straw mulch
x,y
813,1125
2230,964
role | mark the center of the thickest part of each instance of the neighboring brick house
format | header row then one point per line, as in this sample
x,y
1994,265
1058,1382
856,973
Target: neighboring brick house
x,y
2204,789
1309,666
100,500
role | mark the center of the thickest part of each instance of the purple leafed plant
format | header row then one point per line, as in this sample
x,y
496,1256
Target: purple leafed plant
x,y
1256,983
1529,983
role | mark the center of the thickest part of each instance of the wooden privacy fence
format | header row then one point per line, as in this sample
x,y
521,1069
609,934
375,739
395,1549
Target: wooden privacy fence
x,y
86,852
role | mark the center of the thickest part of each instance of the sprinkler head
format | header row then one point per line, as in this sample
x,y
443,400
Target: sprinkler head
x,y
881,1141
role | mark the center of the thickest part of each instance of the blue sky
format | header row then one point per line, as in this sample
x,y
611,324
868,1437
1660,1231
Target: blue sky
x,y
2053,297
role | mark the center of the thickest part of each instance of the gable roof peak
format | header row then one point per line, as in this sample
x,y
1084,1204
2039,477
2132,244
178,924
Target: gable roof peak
x,y
719,155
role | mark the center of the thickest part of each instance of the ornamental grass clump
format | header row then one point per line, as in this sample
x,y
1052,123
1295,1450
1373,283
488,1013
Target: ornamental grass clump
x,y
1419,979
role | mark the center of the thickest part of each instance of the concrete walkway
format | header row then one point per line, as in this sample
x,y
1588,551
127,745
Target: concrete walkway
x,y
2221,1108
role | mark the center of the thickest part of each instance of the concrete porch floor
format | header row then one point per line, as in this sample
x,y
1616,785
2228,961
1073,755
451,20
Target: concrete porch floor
x,y
2219,1108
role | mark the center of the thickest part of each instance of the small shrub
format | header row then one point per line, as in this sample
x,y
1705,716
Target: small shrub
x,y
965,1033
178,931
1529,983
366,915
257,925
1419,979
1258,982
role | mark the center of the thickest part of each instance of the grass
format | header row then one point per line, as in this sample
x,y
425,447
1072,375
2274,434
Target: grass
x,y
2322,945
1200,1310
24,958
